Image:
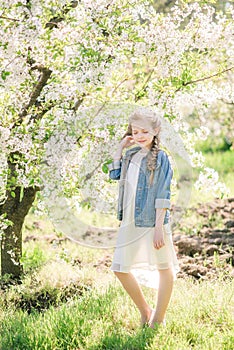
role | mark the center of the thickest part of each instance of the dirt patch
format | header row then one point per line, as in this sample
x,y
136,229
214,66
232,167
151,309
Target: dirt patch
x,y
210,251
205,254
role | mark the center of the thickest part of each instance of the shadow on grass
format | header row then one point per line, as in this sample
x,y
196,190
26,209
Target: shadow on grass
x,y
141,340
72,326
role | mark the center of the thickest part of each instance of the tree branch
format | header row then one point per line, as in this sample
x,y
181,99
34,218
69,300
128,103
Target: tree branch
x,y
57,19
226,102
45,75
89,175
78,102
46,72
137,94
205,78
42,112
10,19
104,103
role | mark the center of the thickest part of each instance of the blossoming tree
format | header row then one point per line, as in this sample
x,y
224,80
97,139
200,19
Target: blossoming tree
x,y
63,63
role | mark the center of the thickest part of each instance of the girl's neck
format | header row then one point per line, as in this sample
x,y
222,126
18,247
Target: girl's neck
x,y
144,149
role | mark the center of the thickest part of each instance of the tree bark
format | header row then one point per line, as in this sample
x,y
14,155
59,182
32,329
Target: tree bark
x,y
16,208
11,243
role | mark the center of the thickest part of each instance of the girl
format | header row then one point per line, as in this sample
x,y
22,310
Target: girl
x,y
144,239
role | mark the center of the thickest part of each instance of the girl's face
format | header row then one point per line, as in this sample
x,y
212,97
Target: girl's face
x,y
142,137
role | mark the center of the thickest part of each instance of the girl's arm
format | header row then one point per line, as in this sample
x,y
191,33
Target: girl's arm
x,y
160,215
162,201
163,193
115,166
115,170
158,240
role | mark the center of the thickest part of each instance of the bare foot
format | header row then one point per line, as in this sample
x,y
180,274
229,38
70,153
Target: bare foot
x,y
155,324
145,319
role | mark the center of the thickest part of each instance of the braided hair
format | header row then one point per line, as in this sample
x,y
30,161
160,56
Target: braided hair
x,y
153,156
153,121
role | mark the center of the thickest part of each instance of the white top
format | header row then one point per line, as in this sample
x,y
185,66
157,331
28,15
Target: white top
x,y
134,247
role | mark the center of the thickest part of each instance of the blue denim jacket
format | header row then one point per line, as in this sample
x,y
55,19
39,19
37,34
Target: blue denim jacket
x,y
148,197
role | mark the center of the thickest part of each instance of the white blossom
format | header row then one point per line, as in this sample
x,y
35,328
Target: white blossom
x,y
208,182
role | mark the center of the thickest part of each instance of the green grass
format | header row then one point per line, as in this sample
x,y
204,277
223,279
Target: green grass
x,y
213,144
199,317
223,162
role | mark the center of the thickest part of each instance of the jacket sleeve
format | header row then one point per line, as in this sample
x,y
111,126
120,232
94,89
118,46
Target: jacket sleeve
x,y
163,192
115,169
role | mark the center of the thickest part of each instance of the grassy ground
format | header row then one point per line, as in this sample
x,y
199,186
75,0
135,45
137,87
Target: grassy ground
x,y
199,317
70,300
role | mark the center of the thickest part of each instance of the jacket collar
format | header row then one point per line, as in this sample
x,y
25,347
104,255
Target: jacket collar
x,y
132,150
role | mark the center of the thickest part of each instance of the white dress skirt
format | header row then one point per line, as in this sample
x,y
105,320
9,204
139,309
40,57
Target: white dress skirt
x,y
134,251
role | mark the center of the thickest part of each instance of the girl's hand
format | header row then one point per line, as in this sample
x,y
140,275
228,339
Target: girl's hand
x,y
127,141
158,240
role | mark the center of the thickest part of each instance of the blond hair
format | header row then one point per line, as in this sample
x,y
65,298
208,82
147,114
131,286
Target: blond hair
x,y
150,121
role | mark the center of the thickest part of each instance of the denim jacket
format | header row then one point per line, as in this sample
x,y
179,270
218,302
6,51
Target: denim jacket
x,y
148,197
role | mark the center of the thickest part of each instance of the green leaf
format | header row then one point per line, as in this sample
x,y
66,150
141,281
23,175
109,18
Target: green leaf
x,y
21,193
105,168
4,74
31,182
12,194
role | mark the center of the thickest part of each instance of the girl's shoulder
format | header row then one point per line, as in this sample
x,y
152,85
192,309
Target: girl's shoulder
x,y
162,157
162,153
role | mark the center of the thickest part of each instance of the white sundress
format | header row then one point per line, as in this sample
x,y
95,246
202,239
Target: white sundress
x,y
134,247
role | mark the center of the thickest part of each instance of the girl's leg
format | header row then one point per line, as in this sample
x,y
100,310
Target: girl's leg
x,y
164,296
133,289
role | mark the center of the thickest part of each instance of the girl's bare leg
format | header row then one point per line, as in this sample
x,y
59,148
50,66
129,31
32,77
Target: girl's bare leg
x,y
133,289
164,296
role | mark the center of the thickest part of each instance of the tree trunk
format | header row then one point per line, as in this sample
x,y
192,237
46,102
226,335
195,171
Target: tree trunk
x,y
11,244
15,207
